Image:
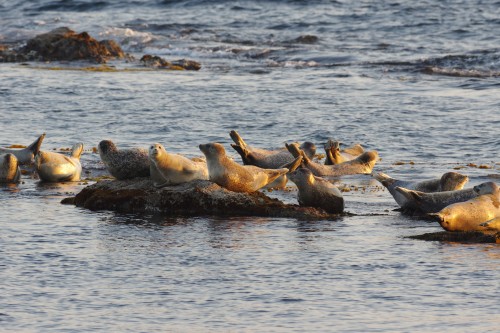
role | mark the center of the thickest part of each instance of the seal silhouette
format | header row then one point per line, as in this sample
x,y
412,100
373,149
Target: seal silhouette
x,y
235,177
334,155
317,192
124,163
25,155
55,167
173,169
9,169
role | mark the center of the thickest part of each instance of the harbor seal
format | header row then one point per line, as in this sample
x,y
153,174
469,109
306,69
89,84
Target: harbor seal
x,y
25,155
9,169
55,167
124,163
470,214
235,177
317,192
493,224
333,154
363,164
450,181
172,169
266,159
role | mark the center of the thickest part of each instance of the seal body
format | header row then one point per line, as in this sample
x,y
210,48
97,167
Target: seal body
x,y
470,214
363,164
435,201
124,163
9,169
25,155
333,154
235,177
267,159
317,192
55,167
173,169
450,181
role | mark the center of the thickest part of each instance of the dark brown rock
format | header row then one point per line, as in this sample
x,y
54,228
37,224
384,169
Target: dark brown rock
x,y
459,237
195,198
158,62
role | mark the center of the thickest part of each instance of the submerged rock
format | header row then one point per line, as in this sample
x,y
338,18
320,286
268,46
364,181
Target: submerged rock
x,y
460,237
199,197
158,62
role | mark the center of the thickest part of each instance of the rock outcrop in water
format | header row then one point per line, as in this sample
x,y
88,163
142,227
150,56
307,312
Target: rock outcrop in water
x,y
200,197
460,237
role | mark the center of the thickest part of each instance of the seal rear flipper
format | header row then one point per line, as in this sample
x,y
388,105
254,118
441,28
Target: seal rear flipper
x,y
35,146
237,139
383,178
409,194
292,166
294,149
77,150
244,153
329,160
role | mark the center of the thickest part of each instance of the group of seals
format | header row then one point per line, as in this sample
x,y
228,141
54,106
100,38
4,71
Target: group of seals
x,y
25,155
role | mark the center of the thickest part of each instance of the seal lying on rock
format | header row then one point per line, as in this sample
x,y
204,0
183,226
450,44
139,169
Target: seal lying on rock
x,y
363,164
9,169
235,177
124,163
267,159
334,155
55,167
468,215
449,181
172,169
25,155
317,192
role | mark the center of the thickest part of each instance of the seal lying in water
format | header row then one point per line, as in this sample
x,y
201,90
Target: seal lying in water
x,y
124,163
470,214
449,181
173,169
333,154
363,164
317,192
55,167
25,155
267,159
235,177
9,169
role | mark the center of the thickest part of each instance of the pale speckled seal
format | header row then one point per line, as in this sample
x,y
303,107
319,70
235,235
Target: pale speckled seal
x,y
55,167
124,163
334,155
317,192
363,164
235,177
267,159
450,181
9,169
470,214
172,169
25,155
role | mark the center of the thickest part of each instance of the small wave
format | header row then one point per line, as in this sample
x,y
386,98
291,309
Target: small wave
x,y
459,72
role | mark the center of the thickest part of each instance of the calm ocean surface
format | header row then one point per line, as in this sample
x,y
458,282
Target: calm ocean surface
x,y
418,81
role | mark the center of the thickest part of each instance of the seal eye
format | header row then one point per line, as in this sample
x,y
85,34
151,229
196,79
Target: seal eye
x,y
151,147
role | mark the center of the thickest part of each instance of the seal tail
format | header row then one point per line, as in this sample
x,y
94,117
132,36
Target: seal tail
x,y
77,150
238,139
35,146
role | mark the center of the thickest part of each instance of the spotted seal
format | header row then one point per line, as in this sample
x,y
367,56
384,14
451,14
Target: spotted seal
x,y
124,163
449,181
55,167
363,164
334,155
9,169
25,155
267,159
172,169
317,192
470,214
235,177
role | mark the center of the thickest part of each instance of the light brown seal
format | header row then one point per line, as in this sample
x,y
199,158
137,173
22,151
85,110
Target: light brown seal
x,y
235,177
55,167
9,169
124,163
468,215
317,192
25,155
334,155
172,169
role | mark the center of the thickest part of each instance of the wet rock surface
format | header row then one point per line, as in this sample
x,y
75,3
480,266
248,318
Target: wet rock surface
x,y
459,237
196,198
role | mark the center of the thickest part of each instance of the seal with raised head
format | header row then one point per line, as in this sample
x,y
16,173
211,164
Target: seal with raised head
x,y
55,167
9,169
317,192
172,169
267,159
124,163
363,164
449,181
235,177
25,155
470,214
334,155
